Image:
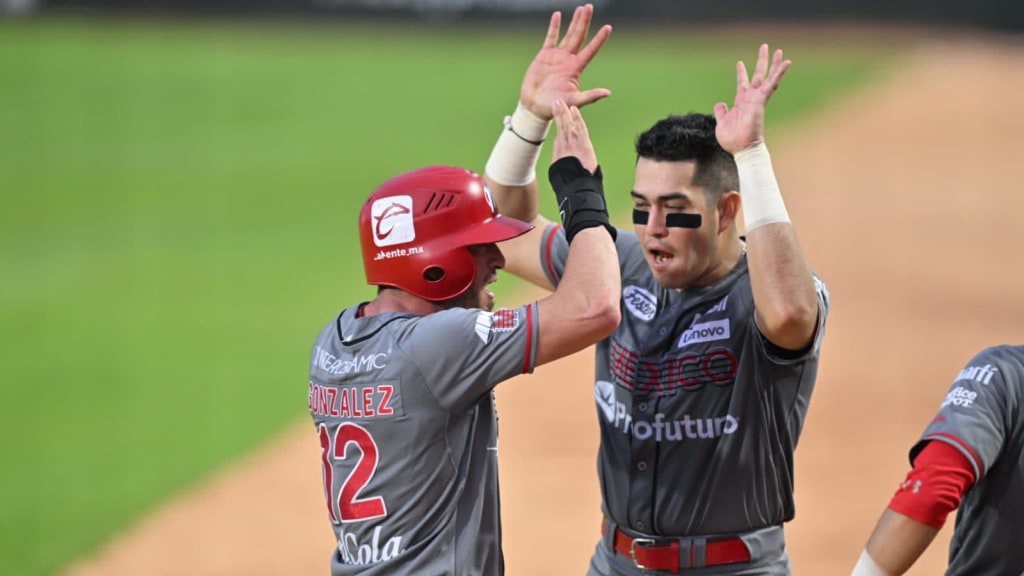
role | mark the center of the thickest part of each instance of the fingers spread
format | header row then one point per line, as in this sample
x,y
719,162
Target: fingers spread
x,y
553,27
577,32
572,26
741,77
779,67
777,59
590,50
761,70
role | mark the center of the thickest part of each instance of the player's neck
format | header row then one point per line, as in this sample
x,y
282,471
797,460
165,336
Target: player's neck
x,y
726,260
399,301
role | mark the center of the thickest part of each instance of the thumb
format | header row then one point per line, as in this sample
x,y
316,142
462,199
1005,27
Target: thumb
x,y
720,111
591,96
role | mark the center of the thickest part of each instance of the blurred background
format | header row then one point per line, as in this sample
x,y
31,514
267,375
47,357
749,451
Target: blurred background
x,y
180,183
996,14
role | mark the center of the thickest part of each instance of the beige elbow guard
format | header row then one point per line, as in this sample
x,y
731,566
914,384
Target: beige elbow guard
x,y
513,160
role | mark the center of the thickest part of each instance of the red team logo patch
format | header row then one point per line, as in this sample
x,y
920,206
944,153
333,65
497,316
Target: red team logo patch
x,y
505,320
487,323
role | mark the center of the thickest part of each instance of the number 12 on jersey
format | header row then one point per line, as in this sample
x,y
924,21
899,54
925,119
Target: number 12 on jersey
x,y
349,507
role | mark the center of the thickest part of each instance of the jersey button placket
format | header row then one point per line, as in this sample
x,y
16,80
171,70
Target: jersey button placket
x,y
644,450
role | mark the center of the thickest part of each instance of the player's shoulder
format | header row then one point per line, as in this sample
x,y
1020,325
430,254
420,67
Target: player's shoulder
x,y
329,330
998,369
449,326
1006,359
331,334
1009,352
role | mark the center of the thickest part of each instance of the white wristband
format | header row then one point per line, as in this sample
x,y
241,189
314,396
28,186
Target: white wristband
x,y
762,199
866,566
513,161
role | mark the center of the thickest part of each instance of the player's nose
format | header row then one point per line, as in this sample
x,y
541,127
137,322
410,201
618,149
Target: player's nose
x,y
656,224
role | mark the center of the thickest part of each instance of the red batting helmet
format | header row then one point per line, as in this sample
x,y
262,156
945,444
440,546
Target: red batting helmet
x,y
415,229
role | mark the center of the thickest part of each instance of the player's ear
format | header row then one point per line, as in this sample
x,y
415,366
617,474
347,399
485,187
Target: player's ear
x,y
728,210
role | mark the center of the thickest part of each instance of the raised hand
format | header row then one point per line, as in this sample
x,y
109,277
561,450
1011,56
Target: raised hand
x,y
573,138
555,72
742,127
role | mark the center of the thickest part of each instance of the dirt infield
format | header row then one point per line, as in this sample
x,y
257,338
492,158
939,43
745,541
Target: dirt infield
x,y
904,199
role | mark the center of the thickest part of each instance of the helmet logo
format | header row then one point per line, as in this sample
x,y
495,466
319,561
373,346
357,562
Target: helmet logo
x,y
392,221
490,199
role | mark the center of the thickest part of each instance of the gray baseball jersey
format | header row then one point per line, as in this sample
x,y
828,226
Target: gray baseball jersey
x,y
404,410
982,416
699,413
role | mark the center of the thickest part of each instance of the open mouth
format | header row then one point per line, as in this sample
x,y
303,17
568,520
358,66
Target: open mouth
x,y
493,278
660,257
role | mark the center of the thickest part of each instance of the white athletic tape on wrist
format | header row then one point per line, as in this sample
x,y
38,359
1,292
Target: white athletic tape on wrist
x,y
866,566
513,161
762,199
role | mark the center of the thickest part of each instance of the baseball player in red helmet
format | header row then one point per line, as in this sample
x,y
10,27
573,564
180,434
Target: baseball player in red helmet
x,y
400,388
971,456
702,391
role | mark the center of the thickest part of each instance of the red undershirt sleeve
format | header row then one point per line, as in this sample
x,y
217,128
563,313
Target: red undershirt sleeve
x,y
935,486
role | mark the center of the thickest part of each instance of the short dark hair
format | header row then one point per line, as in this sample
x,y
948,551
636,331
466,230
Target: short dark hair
x,y
691,137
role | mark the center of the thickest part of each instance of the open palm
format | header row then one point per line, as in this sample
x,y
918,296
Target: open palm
x,y
555,72
742,126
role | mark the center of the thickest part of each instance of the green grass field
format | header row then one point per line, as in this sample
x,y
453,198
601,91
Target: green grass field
x,y
178,221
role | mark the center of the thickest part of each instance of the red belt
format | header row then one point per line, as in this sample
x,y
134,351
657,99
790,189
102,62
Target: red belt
x,y
664,554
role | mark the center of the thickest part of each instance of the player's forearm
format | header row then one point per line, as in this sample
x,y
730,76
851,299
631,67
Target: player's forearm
x,y
784,296
520,202
782,285
896,543
592,283
584,309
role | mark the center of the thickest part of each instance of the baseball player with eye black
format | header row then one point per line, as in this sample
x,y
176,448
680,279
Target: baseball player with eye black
x,y
971,457
702,390
401,388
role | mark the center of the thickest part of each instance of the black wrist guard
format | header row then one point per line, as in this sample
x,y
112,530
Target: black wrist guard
x,y
580,196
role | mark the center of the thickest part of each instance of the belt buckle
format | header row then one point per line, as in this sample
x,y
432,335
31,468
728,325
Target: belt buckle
x,y
632,550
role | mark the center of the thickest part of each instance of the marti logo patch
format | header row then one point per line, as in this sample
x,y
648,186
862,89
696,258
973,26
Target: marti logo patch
x,y
391,219
982,374
640,302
